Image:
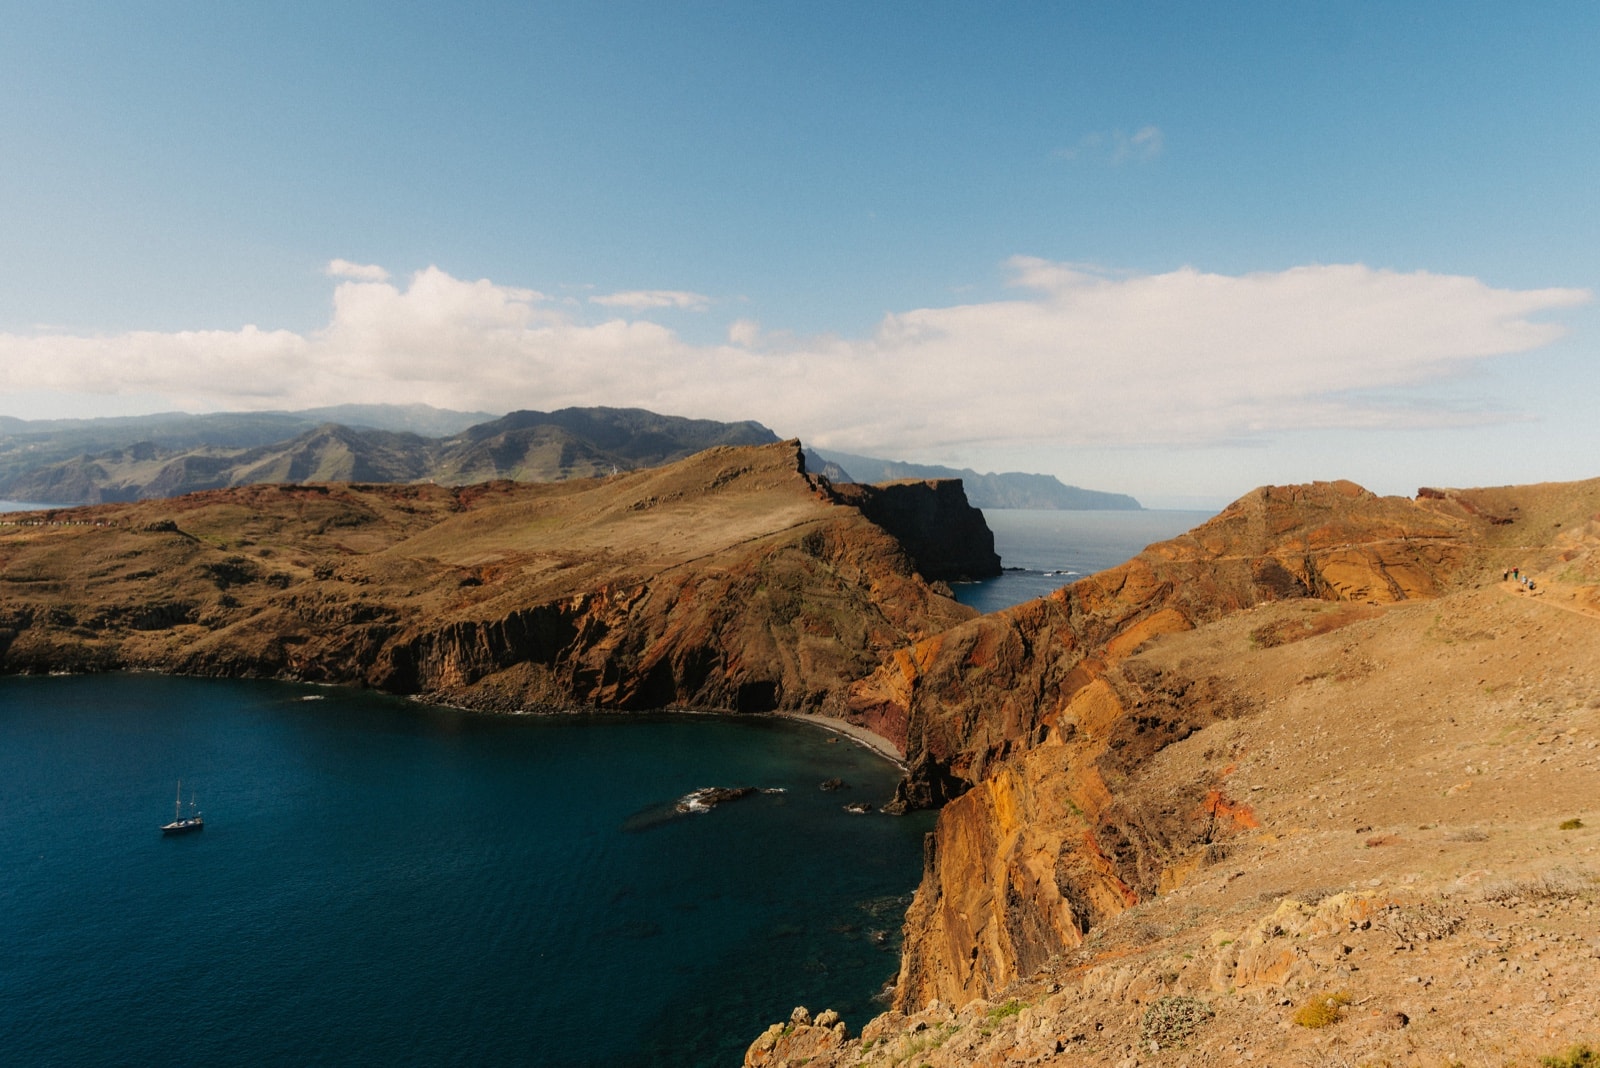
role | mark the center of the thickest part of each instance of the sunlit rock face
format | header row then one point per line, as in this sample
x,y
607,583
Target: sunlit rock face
x,y
1027,724
731,580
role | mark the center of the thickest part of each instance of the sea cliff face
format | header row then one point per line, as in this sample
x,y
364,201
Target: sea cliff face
x,y
1025,723
945,536
1086,748
732,580
1302,783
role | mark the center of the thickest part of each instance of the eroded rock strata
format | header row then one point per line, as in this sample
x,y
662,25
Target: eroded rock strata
x,y
732,580
1152,779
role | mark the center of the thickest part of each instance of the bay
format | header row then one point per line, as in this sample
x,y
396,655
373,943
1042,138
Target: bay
x,y
1043,550
382,882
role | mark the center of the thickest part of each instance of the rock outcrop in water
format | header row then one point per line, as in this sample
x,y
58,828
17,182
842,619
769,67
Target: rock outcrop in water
x,y
732,580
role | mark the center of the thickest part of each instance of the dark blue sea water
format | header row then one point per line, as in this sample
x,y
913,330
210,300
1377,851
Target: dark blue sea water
x,y
1045,550
383,883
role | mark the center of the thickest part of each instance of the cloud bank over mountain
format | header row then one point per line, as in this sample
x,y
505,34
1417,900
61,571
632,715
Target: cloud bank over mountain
x,y
1080,356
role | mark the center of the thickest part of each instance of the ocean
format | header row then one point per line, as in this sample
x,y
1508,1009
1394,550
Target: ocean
x,y
382,882
1042,551
385,883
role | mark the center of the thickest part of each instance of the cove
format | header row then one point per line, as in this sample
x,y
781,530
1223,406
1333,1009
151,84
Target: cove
x,y
382,882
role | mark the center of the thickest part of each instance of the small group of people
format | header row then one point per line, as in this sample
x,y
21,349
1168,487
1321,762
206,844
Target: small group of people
x,y
1514,574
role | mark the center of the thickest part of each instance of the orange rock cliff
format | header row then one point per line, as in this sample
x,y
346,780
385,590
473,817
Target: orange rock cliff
x,y
1082,748
1102,754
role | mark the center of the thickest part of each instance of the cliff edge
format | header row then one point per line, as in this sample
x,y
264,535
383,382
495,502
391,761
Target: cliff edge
x,y
1321,758
732,580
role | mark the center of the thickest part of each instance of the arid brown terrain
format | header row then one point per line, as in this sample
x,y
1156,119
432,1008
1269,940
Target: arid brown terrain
x,y
730,581
1314,784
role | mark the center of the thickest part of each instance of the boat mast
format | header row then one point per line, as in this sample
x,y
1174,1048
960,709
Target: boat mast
x,y
177,805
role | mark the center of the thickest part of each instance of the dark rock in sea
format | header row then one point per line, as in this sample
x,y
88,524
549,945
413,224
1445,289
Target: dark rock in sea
x,y
709,797
830,785
859,808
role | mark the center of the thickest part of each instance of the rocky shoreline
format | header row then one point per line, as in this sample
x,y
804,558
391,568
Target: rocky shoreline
x,y
1116,766
1311,784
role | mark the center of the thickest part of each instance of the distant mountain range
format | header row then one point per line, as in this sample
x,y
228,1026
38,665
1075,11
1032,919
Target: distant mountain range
x,y
1012,489
89,461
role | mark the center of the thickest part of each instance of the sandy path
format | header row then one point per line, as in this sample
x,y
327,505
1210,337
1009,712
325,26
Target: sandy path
x,y
1564,597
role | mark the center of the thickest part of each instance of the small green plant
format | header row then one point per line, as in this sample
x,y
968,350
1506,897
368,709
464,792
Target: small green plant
x,y
1322,1010
1571,825
1001,1012
931,1039
1580,1056
1172,1019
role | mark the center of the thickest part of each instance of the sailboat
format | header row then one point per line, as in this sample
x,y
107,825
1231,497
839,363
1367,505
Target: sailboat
x,y
182,824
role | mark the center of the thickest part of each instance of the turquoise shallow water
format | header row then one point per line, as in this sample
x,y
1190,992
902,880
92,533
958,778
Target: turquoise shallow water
x,y
384,883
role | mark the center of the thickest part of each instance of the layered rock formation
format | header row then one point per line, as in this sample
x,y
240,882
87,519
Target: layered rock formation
x,y
732,580
1201,728
1318,749
1027,725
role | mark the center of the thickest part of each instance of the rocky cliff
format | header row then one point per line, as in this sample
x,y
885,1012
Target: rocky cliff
x,y
1028,724
732,580
945,536
1318,760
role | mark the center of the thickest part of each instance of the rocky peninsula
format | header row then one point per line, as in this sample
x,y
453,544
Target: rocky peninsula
x,y
1313,783
730,581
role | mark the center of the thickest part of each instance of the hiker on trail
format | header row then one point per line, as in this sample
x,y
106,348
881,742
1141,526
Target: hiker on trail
x,y
1516,574
1505,576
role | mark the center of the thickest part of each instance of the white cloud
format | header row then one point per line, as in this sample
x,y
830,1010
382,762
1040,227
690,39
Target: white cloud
x,y
1117,146
1079,357
360,272
744,332
1146,143
647,299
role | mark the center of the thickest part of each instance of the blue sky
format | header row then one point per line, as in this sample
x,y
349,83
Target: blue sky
x,y
1174,250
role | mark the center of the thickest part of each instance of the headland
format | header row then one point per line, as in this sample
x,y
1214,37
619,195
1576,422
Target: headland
x,y
1318,758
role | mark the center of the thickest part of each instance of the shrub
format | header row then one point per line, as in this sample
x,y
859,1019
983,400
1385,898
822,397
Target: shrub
x,y
1553,884
1571,825
1173,1019
1321,1010
1581,1056
1001,1012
